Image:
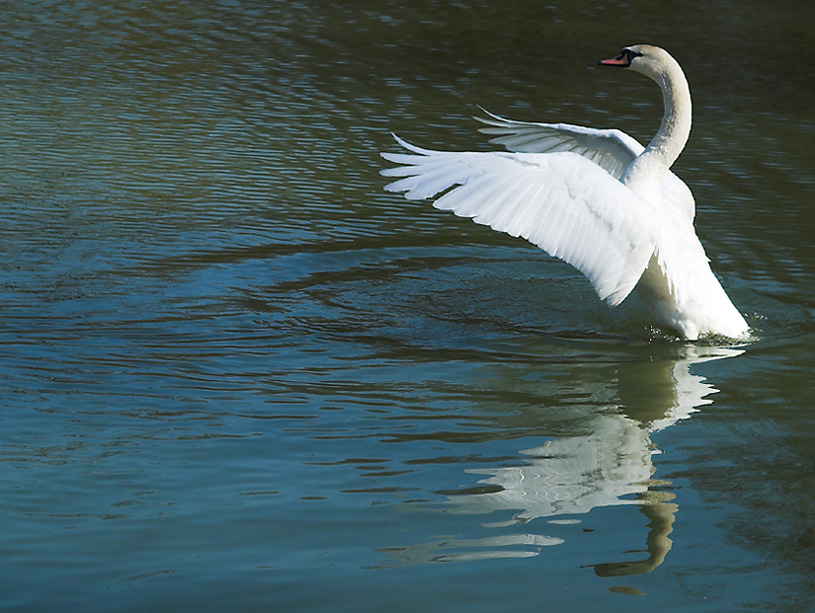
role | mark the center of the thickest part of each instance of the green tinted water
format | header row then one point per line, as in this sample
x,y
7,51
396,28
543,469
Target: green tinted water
x,y
236,374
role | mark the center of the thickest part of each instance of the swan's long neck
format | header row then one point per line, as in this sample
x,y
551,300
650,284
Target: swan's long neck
x,y
674,131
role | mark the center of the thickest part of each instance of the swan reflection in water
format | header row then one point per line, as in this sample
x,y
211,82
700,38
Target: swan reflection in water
x,y
609,463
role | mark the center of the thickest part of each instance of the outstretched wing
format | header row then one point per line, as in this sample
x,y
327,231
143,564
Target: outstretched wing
x,y
561,202
612,150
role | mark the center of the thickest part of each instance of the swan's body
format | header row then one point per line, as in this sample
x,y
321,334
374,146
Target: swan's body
x,y
594,198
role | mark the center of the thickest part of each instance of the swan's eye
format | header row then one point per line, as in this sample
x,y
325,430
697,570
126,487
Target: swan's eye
x,y
629,55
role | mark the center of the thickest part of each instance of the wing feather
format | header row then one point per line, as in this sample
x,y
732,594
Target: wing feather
x,y
612,150
561,202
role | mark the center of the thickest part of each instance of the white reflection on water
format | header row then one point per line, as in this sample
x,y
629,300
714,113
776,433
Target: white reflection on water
x,y
609,463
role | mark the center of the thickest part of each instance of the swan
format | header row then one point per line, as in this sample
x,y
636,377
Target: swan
x,y
595,198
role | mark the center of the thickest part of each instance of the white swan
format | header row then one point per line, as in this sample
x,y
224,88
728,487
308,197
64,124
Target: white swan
x,y
594,198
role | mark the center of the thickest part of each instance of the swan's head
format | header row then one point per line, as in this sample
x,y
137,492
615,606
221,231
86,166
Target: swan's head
x,y
649,60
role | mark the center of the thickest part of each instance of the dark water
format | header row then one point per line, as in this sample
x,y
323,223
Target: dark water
x,y
237,375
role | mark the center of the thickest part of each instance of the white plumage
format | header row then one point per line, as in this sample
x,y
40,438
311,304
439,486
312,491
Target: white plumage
x,y
595,198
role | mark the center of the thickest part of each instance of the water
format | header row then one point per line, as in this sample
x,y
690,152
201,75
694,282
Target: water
x,y
238,375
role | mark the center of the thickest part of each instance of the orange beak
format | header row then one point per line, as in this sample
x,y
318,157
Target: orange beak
x,y
621,60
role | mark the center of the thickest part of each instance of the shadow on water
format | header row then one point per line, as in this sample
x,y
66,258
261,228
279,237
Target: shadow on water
x,y
603,458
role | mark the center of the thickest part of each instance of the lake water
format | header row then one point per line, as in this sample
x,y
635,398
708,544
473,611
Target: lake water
x,y
238,375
